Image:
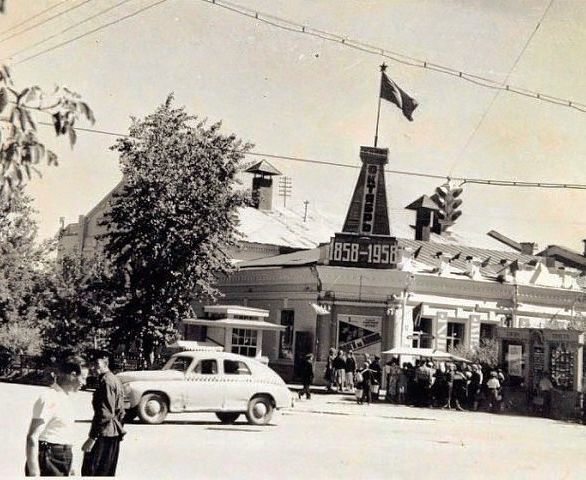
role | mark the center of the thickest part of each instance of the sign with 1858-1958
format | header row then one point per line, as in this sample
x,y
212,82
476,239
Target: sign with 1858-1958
x,y
360,251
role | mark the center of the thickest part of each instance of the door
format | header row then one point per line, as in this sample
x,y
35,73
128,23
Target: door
x,y
203,386
303,346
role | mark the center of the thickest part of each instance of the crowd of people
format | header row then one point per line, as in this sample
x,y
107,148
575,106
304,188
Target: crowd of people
x,y
459,386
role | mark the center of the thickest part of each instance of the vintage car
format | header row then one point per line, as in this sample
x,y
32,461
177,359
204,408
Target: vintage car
x,y
223,383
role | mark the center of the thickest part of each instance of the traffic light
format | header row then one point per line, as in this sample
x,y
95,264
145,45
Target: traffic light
x,y
446,197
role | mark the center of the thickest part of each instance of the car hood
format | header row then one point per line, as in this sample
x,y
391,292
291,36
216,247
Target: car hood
x,y
146,375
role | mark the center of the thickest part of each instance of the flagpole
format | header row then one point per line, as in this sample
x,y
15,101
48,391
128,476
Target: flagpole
x,y
383,67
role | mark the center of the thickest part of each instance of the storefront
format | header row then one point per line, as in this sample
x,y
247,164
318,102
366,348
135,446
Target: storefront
x,y
530,354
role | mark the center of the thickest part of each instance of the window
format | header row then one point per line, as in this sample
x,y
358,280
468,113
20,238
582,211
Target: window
x,y
487,331
423,334
206,367
232,367
244,342
286,337
178,363
455,335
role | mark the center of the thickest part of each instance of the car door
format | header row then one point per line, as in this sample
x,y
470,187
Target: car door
x,y
238,384
203,390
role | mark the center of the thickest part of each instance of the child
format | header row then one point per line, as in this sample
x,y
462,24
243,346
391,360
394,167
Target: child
x,y
493,385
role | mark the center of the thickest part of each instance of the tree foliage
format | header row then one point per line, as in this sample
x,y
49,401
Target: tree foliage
x,y
21,150
486,353
77,305
172,222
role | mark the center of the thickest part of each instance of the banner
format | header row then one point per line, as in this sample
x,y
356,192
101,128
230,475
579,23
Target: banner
x,y
360,333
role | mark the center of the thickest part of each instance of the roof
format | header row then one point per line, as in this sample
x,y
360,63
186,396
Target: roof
x,y
565,256
263,167
422,202
236,310
233,323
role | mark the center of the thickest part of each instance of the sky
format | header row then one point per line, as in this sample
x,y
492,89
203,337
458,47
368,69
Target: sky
x,y
295,95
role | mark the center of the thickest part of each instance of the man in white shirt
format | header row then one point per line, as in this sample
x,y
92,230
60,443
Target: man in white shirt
x,y
51,431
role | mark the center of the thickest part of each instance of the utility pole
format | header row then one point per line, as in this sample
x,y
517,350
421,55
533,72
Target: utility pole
x,y
306,202
285,187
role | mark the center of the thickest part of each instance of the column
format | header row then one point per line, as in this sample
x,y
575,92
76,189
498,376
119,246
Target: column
x,y
442,330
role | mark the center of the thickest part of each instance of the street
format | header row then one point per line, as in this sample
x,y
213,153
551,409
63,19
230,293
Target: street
x,y
329,436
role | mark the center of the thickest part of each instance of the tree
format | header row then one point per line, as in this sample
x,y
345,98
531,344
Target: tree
x,y
486,353
78,305
22,267
20,147
173,221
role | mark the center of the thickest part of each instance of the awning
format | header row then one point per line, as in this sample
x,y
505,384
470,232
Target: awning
x,y
426,353
233,323
319,309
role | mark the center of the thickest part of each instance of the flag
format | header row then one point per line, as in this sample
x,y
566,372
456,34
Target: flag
x,y
456,257
417,252
485,262
514,267
391,92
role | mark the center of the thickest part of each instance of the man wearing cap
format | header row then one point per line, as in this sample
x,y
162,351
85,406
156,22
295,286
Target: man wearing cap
x,y
52,428
103,444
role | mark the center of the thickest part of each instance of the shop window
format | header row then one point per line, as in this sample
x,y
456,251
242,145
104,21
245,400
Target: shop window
x,y
244,342
455,335
232,367
487,331
206,367
286,336
423,334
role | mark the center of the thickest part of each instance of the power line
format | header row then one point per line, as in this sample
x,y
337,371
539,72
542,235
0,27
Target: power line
x,y
45,21
14,27
106,25
462,180
498,92
77,24
395,56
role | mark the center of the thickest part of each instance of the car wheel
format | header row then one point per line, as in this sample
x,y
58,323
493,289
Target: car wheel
x,y
227,417
153,408
260,411
130,414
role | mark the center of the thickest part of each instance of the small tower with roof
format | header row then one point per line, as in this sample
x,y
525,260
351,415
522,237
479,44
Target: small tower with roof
x,y
262,184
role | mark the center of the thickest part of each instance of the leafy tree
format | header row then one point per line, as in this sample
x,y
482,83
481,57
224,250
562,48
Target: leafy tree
x,y
22,268
20,147
172,222
77,303
486,353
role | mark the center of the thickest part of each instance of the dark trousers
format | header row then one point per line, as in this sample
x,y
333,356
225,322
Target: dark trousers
x,y
102,460
366,394
54,460
305,389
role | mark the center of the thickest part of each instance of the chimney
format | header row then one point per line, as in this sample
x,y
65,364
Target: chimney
x,y
528,248
584,251
262,184
425,213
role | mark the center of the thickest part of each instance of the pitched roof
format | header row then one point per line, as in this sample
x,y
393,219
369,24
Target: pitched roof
x,y
263,167
422,202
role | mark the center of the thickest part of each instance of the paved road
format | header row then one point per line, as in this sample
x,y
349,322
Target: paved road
x,y
327,437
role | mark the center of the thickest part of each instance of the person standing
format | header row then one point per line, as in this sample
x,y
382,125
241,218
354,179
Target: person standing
x,y
377,375
545,388
367,382
350,370
339,365
103,444
51,431
306,375
329,373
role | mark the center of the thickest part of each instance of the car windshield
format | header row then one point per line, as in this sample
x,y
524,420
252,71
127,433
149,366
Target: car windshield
x,y
178,363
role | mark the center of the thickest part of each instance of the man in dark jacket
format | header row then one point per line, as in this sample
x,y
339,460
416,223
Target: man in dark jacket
x,y
350,370
306,375
377,374
103,444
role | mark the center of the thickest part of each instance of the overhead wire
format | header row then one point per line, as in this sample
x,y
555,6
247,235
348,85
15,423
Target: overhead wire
x,y
462,180
31,27
498,92
75,25
291,26
42,12
102,27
